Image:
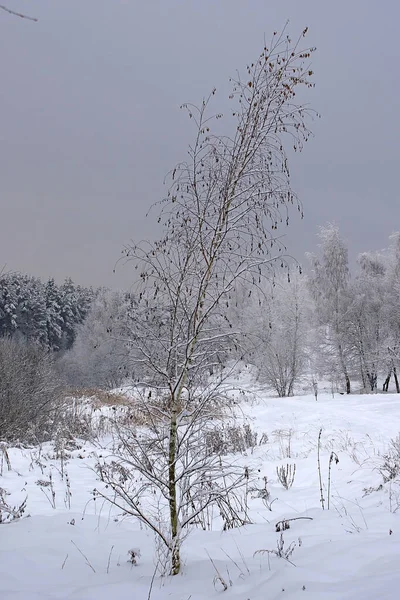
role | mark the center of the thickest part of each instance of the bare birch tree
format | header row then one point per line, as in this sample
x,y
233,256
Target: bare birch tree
x,y
221,219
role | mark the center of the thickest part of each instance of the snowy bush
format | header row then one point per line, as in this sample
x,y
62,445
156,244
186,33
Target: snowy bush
x,y
29,393
390,469
228,439
9,513
99,356
286,475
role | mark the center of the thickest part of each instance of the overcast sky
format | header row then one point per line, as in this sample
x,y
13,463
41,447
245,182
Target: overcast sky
x,y
90,120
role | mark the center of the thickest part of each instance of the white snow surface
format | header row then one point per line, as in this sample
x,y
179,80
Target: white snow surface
x,y
350,552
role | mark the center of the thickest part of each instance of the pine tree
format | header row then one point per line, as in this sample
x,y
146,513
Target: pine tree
x,y
54,320
69,311
8,306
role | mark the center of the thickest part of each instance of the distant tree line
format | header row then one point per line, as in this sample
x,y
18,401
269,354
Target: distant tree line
x,y
328,324
331,324
356,316
43,314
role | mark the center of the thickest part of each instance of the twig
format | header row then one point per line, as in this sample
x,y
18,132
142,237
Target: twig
x,y
17,14
152,581
280,552
333,457
109,559
234,562
65,560
281,524
218,576
242,557
84,556
319,471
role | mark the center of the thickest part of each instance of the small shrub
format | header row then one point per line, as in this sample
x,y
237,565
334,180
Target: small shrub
x,y
29,393
10,513
4,458
228,439
48,490
264,494
286,475
284,438
390,468
282,551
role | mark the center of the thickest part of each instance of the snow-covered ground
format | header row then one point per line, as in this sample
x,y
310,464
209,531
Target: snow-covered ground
x,y
72,546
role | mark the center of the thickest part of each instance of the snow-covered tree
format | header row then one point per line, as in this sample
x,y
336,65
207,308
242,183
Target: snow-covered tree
x,y
329,286
367,320
75,302
100,354
8,305
54,319
281,327
392,312
43,314
31,311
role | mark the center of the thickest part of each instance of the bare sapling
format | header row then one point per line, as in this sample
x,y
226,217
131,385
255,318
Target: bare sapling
x,y
220,222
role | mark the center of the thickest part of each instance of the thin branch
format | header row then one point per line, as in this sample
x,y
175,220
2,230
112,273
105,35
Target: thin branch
x,y
84,556
17,14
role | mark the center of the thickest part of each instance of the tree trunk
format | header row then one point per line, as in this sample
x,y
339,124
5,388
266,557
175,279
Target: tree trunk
x,y
372,380
396,380
362,373
386,382
348,386
344,369
173,508
375,382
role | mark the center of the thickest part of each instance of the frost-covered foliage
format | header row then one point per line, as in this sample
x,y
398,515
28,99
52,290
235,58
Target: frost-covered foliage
x,y
229,438
329,285
368,328
278,323
390,467
100,355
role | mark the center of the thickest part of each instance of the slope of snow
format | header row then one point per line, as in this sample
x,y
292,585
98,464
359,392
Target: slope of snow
x,y
79,549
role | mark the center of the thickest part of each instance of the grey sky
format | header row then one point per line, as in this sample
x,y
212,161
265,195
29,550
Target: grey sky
x,y
90,120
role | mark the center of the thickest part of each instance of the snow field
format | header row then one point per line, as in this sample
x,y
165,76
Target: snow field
x,y
79,549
